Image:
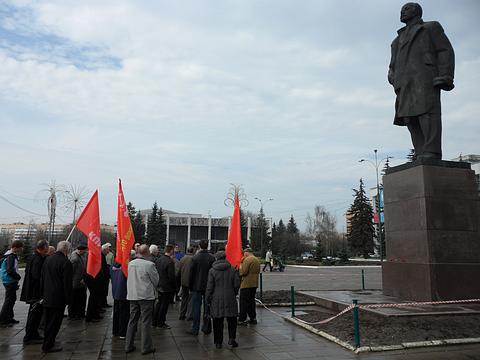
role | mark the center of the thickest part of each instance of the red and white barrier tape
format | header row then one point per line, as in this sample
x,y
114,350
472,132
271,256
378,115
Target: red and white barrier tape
x,y
370,306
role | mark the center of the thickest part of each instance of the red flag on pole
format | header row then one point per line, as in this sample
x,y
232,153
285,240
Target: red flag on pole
x,y
89,224
234,244
125,236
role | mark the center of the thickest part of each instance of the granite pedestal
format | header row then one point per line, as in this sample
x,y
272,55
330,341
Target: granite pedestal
x,y
432,214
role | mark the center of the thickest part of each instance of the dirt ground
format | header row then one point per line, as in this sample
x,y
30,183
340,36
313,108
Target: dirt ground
x,y
282,296
376,330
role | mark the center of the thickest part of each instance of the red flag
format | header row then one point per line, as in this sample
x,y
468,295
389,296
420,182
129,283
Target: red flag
x,y
89,224
125,237
234,244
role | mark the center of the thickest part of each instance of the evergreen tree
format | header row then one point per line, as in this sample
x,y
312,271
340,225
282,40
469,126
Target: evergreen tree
x,y
138,225
260,240
411,156
292,247
360,238
279,239
155,233
386,166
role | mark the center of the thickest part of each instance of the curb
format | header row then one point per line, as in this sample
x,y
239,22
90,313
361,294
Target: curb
x,y
308,303
402,346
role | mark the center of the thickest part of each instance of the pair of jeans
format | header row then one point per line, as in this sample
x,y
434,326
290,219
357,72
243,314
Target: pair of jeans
x,y
140,310
6,315
218,329
247,304
198,297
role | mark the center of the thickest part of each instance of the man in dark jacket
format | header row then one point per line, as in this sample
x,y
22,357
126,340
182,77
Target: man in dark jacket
x,y
76,310
10,279
201,264
32,293
166,285
57,292
183,277
422,64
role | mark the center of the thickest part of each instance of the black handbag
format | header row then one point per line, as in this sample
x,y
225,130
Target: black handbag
x,y
207,321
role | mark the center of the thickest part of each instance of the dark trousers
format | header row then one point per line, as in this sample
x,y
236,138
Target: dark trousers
x,y
426,133
186,302
93,307
79,301
198,298
34,317
164,300
54,318
121,315
247,304
140,311
218,329
6,315
267,263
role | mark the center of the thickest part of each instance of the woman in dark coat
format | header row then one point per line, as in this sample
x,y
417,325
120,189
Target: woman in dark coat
x,y
121,306
221,296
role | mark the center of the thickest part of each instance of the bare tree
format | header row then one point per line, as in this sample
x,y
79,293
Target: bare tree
x,y
322,227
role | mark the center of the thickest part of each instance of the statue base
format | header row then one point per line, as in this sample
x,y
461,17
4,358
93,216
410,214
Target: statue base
x,y
432,215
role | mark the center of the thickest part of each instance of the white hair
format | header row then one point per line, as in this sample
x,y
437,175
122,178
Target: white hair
x,y
153,249
64,247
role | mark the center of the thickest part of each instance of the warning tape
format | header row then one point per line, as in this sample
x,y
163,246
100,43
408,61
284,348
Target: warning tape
x,y
370,306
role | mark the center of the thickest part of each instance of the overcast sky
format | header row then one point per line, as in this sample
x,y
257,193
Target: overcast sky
x,y
182,98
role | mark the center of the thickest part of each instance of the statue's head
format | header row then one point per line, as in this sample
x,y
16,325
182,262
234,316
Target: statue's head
x,y
410,11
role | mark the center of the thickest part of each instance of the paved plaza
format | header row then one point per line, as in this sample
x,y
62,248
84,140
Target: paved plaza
x,y
272,339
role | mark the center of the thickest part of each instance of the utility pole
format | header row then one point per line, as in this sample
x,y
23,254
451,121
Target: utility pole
x,y
262,245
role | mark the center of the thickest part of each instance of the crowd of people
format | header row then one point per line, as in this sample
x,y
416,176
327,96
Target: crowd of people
x,y
206,286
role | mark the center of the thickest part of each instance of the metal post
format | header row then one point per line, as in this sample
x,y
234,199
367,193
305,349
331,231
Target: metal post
x,y
292,300
379,227
363,279
356,324
261,287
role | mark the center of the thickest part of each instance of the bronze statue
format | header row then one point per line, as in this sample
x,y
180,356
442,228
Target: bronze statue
x,y
422,64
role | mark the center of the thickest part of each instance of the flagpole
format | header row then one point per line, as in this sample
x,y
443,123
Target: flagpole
x,y
71,232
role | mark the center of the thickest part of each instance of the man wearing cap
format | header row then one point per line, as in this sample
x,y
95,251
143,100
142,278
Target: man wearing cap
x,y
76,310
249,271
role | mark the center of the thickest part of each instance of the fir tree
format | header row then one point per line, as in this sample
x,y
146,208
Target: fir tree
x,y
279,239
138,225
156,234
360,238
260,240
386,166
292,247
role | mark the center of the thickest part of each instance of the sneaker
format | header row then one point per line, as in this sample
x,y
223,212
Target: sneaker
x,y
164,326
253,322
243,323
232,343
122,337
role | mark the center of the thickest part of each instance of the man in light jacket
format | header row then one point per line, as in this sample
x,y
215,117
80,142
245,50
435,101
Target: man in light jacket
x,y
249,270
142,283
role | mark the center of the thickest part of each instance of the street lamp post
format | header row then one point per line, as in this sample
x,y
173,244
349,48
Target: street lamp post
x,y
262,203
379,223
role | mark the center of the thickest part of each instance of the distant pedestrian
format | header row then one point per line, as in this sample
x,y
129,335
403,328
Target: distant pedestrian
x,y
183,276
78,258
201,264
142,283
104,286
109,256
32,293
121,306
249,271
10,279
268,260
57,292
221,296
166,286
178,253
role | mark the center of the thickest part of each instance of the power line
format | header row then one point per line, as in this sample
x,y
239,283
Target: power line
x,y
19,207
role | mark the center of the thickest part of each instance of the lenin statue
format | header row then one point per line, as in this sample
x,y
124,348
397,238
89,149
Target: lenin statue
x,y
422,64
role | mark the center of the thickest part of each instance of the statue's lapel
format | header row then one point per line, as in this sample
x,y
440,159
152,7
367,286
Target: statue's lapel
x,y
412,32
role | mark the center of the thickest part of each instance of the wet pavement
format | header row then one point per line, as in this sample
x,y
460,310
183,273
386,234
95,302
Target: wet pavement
x,y
272,339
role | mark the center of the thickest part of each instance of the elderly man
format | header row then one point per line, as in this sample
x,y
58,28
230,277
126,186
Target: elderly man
x,y
422,64
57,292
142,283
32,293
183,274
249,270
78,258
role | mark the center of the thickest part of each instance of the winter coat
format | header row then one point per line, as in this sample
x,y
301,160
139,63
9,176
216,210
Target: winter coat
x,y
9,268
57,281
31,288
201,264
142,281
183,271
249,270
119,283
222,288
166,272
79,267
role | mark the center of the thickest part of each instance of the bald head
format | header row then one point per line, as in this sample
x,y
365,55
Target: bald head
x,y
144,250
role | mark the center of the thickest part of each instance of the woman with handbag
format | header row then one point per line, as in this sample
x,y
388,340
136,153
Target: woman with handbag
x,y
221,296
